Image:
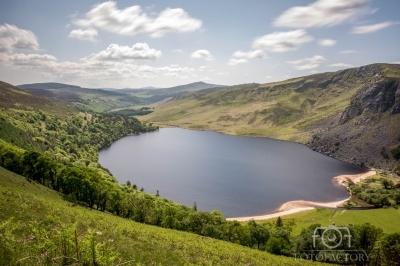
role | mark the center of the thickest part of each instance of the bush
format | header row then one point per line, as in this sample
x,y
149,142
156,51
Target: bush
x,y
396,151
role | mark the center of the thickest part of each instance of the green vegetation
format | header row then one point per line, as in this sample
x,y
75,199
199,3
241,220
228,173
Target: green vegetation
x,y
132,112
59,151
322,110
279,110
39,227
386,219
55,146
86,100
396,151
378,191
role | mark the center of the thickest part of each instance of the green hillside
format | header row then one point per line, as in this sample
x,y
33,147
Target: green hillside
x,y
320,110
95,100
108,100
87,218
38,227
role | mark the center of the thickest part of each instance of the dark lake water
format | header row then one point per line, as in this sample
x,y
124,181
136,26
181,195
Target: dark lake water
x,y
240,176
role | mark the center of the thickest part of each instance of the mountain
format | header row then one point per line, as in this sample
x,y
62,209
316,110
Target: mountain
x,y
47,86
13,97
187,88
108,99
54,179
352,114
98,100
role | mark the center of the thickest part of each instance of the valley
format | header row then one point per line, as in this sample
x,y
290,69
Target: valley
x,y
51,145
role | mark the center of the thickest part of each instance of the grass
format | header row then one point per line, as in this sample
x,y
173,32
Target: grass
x,y
281,110
386,219
41,220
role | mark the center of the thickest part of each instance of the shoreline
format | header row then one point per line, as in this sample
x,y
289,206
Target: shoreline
x,y
296,206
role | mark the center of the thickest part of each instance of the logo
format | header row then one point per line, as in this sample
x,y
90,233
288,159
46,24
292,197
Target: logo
x,y
331,236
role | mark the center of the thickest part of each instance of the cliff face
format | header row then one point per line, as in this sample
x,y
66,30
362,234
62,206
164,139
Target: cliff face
x,y
369,127
377,97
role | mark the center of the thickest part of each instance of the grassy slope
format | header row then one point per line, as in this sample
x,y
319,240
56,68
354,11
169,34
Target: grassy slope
x,y
283,110
277,110
36,206
12,97
387,219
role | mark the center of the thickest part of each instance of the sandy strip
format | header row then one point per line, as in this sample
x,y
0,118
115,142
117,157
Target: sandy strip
x,y
295,206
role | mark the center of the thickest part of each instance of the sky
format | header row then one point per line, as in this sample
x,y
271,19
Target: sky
x,y
135,44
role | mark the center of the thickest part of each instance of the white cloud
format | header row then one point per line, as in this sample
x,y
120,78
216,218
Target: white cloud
x,y
372,27
202,54
132,20
85,35
398,62
222,73
233,61
251,54
326,42
177,51
341,65
12,37
203,68
91,70
314,71
308,63
282,41
176,75
206,79
116,52
30,60
321,13
347,52
268,77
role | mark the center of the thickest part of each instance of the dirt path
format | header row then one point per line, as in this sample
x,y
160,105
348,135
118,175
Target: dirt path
x,y
295,206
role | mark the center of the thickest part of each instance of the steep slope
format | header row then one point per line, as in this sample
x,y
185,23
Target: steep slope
x,y
39,227
12,97
327,106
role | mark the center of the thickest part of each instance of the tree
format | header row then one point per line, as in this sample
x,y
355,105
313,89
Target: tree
x,y
275,245
169,220
396,151
279,222
388,184
195,206
365,237
28,165
305,244
258,233
396,196
390,249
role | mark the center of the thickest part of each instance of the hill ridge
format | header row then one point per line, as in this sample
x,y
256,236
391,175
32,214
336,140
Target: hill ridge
x,y
305,109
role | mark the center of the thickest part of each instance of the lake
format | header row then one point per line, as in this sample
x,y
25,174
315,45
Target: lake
x,y
240,176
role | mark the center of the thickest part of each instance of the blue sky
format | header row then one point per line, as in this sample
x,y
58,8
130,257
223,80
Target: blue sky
x,y
166,43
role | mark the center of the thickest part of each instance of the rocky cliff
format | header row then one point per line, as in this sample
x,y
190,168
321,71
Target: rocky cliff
x,y
369,127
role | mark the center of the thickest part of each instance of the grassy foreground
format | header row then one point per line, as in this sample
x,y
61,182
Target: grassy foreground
x,y
386,219
38,227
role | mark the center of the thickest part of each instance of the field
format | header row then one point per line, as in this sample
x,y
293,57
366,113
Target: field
x,y
39,227
386,219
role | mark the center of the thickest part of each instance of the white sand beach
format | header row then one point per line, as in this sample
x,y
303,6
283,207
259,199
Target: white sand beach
x,y
295,206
